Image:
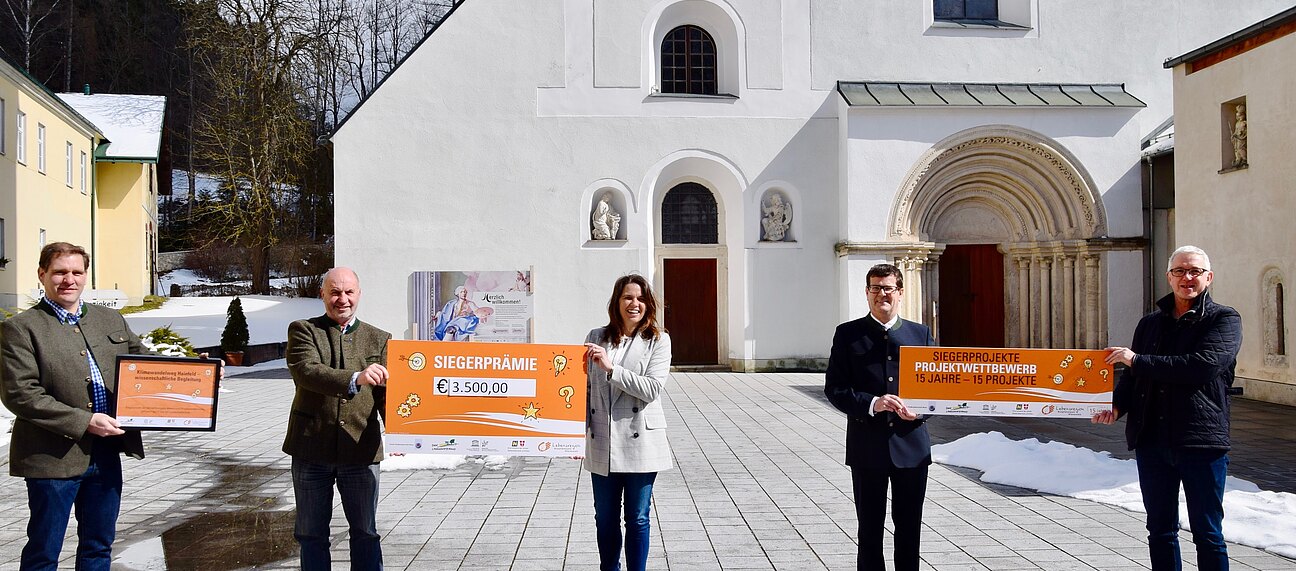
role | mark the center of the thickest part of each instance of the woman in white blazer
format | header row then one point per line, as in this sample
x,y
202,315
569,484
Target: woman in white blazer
x,y
628,361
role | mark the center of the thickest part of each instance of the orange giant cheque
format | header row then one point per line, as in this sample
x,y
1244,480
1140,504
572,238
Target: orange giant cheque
x,y
1005,382
518,399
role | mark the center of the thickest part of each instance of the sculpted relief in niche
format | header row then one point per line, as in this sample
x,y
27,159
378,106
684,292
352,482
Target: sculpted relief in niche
x,y
1238,135
605,221
776,218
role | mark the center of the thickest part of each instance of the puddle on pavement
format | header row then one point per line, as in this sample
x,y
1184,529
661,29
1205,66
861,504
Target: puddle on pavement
x,y
249,530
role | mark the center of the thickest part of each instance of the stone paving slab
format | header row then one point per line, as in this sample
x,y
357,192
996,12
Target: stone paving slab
x,y
759,484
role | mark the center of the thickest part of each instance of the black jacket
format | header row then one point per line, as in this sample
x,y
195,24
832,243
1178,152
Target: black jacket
x,y
1176,391
865,363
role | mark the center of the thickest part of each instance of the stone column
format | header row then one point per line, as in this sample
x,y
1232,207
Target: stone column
x,y
1092,311
1068,301
1023,301
1046,302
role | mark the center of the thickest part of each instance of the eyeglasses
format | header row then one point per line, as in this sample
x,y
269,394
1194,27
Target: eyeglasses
x,y
1190,272
876,289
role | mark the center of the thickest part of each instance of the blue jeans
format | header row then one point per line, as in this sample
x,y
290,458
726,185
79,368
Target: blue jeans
x,y
609,491
1202,472
96,494
313,488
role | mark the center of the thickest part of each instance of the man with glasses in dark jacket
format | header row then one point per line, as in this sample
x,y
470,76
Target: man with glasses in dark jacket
x,y
1175,394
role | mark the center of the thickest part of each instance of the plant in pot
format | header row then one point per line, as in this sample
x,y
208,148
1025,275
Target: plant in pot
x,y
234,340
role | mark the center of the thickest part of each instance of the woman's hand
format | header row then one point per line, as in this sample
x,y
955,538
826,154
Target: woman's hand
x,y
599,355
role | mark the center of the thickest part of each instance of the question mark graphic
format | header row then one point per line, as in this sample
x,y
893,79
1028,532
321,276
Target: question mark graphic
x,y
559,363
1104,373
566,393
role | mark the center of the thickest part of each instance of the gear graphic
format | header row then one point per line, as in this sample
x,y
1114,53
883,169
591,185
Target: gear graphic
x,y
413,400
404,410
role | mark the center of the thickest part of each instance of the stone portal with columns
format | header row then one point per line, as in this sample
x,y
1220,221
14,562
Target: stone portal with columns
x,y
1029,197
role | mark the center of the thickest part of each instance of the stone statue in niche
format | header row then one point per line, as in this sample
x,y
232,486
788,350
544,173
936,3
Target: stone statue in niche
x,y
1239,136
776,218
605,219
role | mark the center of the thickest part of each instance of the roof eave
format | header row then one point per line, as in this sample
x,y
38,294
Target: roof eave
x,y
363,100
1238,36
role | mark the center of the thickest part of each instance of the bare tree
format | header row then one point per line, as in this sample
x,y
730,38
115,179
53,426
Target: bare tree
x,y
252,131
32,20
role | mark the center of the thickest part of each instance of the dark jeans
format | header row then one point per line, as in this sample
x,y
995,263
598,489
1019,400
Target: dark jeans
x,y
609,490
96,494
908,490
1202,472
313,487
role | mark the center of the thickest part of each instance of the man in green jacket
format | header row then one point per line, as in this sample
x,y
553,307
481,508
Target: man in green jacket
x,y
58,376
339,366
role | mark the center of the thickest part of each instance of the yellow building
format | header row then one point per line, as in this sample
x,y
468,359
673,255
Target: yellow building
x,y
1235,128
62,179
126,188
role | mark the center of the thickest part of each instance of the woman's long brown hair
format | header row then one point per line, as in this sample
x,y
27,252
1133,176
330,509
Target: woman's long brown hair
x,y
648,328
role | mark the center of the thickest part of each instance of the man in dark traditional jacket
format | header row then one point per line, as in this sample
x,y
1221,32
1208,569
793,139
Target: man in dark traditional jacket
x,y
885,441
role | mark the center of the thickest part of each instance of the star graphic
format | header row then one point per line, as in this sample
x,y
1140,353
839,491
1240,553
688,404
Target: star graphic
x,y
1080,382
530,411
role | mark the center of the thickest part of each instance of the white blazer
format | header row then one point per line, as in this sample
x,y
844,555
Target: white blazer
x,y
626,430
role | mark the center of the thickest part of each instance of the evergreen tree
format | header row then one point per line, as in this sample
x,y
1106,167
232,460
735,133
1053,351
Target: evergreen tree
x,y
235,336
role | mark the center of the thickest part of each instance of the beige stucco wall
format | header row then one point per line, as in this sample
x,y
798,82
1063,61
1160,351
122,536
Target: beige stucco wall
x,y
1242,218
127,214
44,200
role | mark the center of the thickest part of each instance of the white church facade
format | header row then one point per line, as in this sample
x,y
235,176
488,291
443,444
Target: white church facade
x,y
753,158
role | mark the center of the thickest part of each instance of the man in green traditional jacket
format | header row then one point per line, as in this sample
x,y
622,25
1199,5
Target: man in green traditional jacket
x,y
58,376
339,366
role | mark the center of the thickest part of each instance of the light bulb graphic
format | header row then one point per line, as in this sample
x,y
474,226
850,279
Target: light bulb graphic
x,y
559,363
1088,363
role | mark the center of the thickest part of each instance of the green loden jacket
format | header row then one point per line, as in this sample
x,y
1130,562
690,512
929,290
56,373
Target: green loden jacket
x,y
45,382
327,425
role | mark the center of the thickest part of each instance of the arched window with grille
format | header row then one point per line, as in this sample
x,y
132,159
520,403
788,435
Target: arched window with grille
x,y
689,215
688,62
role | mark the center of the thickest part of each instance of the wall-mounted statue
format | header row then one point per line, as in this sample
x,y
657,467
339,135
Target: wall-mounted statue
x,y
605,220
776,218
1239,136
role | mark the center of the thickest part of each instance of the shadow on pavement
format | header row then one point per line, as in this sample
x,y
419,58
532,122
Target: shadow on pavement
x,y
1263,436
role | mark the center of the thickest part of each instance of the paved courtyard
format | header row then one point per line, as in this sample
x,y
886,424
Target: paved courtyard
x,y
759,484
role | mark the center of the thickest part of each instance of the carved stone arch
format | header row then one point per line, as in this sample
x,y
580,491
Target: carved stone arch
x,y
1028,196
1032,174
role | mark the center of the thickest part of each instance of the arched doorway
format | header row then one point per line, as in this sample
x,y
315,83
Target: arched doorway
x,y
690,216
1003,216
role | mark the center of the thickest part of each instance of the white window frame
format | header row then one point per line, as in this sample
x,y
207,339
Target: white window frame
x,y
22,137
1022,15
42,238
40,148
2,238
2,132
83,172
67,160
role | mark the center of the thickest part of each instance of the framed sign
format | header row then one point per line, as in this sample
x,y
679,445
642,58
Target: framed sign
x,y
514,399
489,306
1066,383
155,392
